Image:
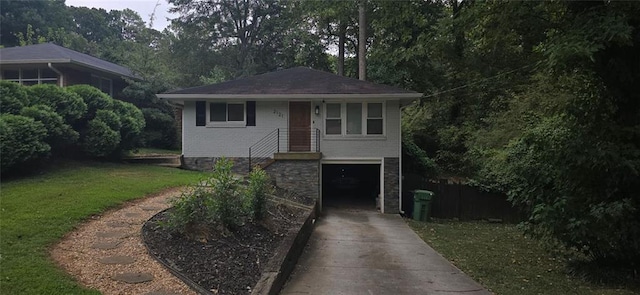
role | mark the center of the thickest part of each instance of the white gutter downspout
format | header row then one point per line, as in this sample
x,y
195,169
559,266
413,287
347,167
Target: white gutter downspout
x,y
61,82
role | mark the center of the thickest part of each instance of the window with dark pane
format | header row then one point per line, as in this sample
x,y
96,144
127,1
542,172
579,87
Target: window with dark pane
x,y
375,121
236,112
218,112
333,122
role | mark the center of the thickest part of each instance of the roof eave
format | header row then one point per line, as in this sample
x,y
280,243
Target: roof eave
x,y
280,97
33,61
66,61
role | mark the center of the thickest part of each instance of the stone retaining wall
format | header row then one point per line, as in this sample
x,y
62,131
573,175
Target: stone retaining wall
x,y
299,176
391,185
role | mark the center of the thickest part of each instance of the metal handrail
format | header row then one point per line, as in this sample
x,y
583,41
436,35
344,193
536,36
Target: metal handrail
x,y
278,141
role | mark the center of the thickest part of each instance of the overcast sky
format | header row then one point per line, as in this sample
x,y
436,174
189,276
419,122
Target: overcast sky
x,y
143,7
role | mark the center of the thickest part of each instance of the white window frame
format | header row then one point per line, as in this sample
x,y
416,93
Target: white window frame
x,y
227,123
364,117
39,79
101,80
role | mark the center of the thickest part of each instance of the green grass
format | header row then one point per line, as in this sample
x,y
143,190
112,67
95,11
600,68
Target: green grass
x,y
154,151
37,211
502,259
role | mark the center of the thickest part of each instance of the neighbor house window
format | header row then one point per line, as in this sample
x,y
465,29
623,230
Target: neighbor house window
x,y
104,84
29,77
353,119
226,113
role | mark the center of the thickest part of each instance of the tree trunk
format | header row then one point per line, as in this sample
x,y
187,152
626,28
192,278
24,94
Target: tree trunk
x,y
362,41
342,35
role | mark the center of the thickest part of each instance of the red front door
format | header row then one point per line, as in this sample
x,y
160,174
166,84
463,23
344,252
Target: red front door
x,y
300,126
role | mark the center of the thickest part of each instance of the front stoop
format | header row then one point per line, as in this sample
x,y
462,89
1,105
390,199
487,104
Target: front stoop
x,y
298,156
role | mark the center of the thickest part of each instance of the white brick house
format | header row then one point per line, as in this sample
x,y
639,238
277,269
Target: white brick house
x,y
323,135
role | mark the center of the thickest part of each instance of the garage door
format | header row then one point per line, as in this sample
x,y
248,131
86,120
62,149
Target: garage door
x,y
350,185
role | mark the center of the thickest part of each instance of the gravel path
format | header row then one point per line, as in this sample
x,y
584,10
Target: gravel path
x,y
106,252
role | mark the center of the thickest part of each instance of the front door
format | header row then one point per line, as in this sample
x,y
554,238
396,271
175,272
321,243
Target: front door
x,y
300,126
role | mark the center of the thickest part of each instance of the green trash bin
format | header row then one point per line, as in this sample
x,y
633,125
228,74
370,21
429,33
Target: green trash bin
x,y
422,204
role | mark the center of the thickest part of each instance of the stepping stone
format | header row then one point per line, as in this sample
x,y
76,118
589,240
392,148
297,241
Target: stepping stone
x,y
133,277
131,214
118,224
111,234
106,245
148,208
161,292
117,260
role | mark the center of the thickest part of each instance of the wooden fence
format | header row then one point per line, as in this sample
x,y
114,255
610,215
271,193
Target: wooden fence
x,y
464,202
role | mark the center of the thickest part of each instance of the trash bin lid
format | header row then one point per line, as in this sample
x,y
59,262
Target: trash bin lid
x,y
422,195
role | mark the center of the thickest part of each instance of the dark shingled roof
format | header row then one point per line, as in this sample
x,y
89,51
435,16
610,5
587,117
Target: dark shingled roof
x,y
298,80
51,53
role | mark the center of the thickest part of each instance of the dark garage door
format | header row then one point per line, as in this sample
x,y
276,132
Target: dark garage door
x,y
350,185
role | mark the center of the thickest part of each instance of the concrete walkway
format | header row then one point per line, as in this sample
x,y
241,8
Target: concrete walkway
x,y
365,252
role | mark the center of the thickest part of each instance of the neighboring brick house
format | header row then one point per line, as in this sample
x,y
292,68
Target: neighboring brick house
x,y
48,63
316,133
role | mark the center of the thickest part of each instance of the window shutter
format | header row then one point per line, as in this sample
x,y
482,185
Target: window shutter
x,y
251,113
201,113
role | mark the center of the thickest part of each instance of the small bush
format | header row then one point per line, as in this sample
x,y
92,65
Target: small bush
x,y
226,189
67,104
59,134
132,125
160,129
213,202
110,118
93,97
21,140
100,140
12,97
257,191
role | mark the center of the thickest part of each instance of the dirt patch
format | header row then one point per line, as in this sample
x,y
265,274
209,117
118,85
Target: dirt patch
x,y
224,262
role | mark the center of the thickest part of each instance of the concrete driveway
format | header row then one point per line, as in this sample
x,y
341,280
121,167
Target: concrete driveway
x,y
365,252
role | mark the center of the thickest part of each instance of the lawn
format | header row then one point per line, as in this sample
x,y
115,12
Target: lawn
x,y
37,211
502,259
155,152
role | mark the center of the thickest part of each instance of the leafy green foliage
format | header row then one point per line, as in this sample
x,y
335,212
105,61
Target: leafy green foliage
x,y
221,201
12,97
59,134
133,123
100,141
21,140
258,188
93,97
66,104
160,129
110,118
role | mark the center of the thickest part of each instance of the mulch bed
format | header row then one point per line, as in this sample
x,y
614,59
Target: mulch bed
x,y
229,263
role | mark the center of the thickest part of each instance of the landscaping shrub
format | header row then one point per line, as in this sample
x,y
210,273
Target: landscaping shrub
x,y
12,97
100,141
93,97
214,202
226,191
59,134
257,190
160,129
110,118
132,125
21,140
67,104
